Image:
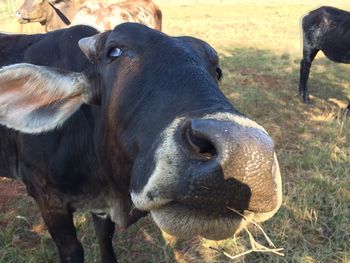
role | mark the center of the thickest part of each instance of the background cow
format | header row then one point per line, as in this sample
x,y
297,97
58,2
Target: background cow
x,y
325,29
52,15
62,13
162,134
57,49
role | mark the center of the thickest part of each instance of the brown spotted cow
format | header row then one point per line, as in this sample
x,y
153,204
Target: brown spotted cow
x,y
106,16
63,13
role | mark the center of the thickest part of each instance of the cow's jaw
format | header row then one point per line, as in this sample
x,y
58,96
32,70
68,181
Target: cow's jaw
x,y
182,220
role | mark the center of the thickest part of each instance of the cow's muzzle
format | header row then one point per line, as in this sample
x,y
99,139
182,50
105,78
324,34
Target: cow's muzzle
x,y
234,165
206,169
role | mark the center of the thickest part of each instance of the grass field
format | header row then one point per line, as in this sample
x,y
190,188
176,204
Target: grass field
x,y
259,45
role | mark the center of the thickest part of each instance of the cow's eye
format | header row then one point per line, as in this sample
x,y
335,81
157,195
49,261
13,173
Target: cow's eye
x,y
218,73
115,52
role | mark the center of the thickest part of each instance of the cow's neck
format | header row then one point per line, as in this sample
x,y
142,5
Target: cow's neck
x,y
67,9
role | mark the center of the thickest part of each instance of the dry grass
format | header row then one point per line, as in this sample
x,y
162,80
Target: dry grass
x,y
259,46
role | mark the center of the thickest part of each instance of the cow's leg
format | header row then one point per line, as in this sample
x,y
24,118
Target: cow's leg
x,y
305,65
59,221
104,228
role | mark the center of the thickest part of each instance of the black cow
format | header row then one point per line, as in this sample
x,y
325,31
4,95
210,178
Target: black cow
x,y
158,134
325,29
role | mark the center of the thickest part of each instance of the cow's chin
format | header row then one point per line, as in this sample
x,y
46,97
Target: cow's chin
x,y
23,21
184,222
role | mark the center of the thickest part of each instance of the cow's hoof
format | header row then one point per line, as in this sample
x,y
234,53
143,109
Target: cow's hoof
x,y
306,100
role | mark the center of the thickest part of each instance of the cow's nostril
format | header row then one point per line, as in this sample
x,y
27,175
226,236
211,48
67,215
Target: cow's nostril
x,y
200,143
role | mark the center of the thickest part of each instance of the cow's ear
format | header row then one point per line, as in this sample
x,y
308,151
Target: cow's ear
x,y
35,99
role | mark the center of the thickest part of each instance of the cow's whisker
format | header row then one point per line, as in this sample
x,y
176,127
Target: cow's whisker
x,y
230,256
254,223
256,247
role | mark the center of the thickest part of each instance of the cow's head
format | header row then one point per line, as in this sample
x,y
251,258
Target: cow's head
x,y
37,10
165,128
33,11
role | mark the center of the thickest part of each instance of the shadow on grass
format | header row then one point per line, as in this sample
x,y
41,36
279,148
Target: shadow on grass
x,y
264,85
327,79
279,73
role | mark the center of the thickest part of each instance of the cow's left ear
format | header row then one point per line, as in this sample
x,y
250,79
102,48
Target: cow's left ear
x,y
35,99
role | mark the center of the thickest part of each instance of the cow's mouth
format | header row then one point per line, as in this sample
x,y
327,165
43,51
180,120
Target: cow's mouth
x,y
184,221
22,20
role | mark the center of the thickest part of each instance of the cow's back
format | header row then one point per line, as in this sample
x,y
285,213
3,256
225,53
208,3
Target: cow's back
x,y
145,12
13,47
328,29
326,16
60,49
106,16
57,48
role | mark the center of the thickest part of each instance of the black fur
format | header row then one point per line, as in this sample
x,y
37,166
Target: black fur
x,y
326,29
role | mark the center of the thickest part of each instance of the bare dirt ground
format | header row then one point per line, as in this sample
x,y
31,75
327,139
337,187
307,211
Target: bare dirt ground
x,y
9,189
